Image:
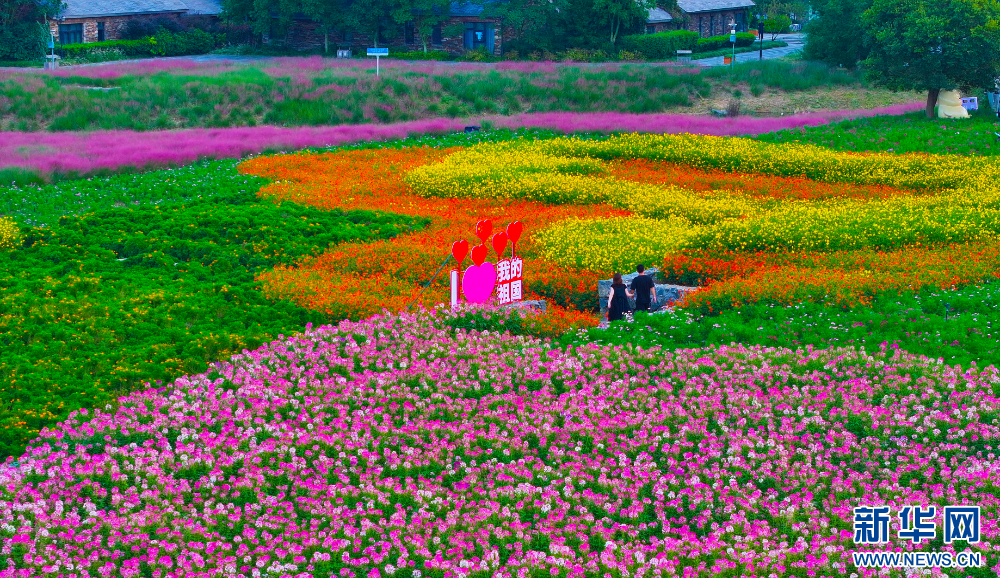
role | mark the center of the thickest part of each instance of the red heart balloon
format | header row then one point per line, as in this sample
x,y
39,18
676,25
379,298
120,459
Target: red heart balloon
x,y
479,253
500,243
514,231
459,250
483,230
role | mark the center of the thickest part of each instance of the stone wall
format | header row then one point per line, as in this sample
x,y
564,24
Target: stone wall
x,y
307,35
114,26
715,23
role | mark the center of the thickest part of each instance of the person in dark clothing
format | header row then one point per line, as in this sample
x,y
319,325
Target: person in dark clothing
x,y
643,288
618,304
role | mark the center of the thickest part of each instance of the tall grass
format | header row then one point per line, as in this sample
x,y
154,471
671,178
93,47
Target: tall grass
x,y
785,75
65,153
314,91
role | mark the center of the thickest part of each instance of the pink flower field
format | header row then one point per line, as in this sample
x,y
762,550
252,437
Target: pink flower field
x,y
402,447
86,152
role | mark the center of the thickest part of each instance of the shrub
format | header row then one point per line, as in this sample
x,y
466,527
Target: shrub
x,y
583,55
722,41
419,54
167,43
88,50
660,46
141,28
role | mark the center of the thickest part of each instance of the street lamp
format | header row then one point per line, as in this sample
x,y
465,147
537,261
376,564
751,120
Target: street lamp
x,y
732,38
760,33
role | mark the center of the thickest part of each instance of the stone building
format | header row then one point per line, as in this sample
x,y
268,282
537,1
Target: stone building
x,y
99,20
465,29
706,17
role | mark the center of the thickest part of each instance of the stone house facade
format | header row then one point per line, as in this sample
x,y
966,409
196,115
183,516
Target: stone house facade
x,y
706,17
100,20
465,29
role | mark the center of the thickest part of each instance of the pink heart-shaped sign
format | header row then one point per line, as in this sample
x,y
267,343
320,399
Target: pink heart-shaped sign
x,y
478,283
483,229
500,243
459,250
514,231
479,253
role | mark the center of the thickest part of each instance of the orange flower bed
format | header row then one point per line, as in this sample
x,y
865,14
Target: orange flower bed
x,y
764,186
354,280
840,278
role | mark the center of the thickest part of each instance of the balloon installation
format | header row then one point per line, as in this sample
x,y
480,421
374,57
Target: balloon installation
x,y
483,280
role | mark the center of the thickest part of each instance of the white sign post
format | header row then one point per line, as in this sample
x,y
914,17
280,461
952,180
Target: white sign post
x,y
377,52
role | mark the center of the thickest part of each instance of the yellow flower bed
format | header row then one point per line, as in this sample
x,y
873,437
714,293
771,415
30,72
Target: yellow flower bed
x,y
516,171
615,244
10,234
959,202
933,172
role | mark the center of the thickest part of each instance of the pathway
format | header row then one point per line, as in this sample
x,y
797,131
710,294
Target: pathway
x,y
795,42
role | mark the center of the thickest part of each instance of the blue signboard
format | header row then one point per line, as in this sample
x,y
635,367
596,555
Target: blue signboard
x,y
378,52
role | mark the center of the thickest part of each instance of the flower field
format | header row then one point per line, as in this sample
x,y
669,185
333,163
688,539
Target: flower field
x,y
388,448
38,156
840,351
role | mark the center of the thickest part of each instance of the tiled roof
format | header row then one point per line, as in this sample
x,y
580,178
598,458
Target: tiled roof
x,y
93,8
465,9
658,15
691,6
211,7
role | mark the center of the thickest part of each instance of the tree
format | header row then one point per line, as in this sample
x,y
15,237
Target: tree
x,y
775,25
932,45
370,16
526,21
424,14
836,37
331,15
259,14
23,33
618,13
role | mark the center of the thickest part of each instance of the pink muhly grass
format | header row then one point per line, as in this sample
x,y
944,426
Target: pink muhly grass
x,y
85,152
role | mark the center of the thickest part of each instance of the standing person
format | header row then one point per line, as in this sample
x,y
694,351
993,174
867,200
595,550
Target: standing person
x,y
644,288
618,304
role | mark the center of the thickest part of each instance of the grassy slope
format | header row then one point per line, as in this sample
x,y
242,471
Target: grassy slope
x,y
907,133
251,95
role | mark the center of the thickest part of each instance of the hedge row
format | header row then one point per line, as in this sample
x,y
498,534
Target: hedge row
x,y
664,45
743,39
165,43
128,47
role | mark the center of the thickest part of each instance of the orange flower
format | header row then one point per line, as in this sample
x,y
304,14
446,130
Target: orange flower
x,y
357,279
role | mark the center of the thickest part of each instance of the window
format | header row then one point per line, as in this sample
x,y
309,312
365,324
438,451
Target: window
x,y
701,26
408,33
70,33
436,35
100,32
479,35
650,29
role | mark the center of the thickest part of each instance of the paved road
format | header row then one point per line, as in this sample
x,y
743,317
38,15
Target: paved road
x,y
795,42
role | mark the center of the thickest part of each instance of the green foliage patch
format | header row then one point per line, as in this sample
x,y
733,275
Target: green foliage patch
x,y
908,133
97,305
252,95
960,326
